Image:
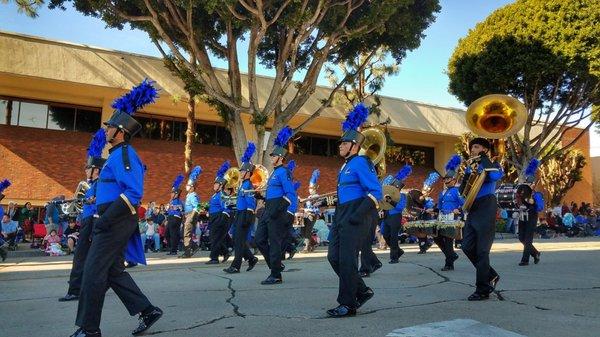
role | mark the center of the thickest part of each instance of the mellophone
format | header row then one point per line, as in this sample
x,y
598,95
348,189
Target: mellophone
x,y
421,228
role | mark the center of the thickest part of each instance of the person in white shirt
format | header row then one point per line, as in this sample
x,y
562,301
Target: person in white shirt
x,y
152,234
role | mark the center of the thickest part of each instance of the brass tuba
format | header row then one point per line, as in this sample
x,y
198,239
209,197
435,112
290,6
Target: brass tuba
x,y
374,147
496,117
74,206
232,178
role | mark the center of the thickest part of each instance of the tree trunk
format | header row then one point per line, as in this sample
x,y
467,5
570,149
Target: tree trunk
x,y
9,106
238,136
189,134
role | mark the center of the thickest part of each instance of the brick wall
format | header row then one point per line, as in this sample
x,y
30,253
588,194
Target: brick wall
x,y
45,163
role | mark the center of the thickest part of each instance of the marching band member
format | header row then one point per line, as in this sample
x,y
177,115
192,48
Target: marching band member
x,y
174,215
449,204
289,243
529,217
218,217
311,212
192,201
358,194
393,218
244,217
272,228
92,171
480,225
119,191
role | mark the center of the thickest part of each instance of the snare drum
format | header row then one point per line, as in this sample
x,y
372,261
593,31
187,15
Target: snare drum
x,y
511,197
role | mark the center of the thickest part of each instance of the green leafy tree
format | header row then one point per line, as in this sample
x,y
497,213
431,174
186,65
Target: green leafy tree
x,y
295,38
547,54
560,173
28,7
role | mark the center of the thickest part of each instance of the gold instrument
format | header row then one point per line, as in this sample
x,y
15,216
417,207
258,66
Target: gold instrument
x,y
374,147
74,206
390,193
259,177
233,178
496,117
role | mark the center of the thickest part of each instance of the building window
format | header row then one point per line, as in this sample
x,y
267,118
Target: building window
x,y
157,128
411,154
316,146
49,116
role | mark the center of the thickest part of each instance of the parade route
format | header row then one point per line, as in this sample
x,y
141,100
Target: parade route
x,y
557,297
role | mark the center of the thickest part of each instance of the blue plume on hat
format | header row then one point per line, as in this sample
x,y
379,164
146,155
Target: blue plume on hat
x,y
291,165
315,177
356,117
431,179
177,182
453,163
297,185
194,174
136,98
250,149
283,136
4,184
404,172
224,167
97,144
532,167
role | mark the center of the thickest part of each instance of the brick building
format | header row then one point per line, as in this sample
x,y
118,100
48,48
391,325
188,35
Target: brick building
x,y
53,95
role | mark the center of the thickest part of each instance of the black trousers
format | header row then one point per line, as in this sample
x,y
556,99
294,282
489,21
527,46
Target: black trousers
x,y
368,259
243,220
306,233
173,227
81,252
526,232
393,225
478,237
219,225
104,268
446,245
271,233
342,253
289,244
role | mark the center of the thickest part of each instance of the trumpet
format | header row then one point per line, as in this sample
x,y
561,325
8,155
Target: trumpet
x,y
330,198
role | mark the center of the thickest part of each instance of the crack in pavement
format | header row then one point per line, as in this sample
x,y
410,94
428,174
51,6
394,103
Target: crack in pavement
x,y
236,308
538,307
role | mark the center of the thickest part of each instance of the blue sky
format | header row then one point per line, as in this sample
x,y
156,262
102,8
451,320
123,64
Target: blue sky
x,y
421,78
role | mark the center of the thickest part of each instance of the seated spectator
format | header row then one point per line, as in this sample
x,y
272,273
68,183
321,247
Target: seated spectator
x,y
321,230
162,233
50,239
9,229
568,220
151,233
71,235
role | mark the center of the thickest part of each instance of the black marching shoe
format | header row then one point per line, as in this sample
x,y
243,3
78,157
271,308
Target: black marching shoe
x,y
341,311
523,263
231,270
364,297
494,281
394,261
272,280
364,274
536,258
478,297
377,266
68,297
252,263
448,267
226,257
212,262
292,253
82,333
147,320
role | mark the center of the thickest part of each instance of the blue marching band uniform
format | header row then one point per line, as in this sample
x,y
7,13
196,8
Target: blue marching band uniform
x,y
450,203
273,227
392,224
528,217
358,192
219,218
244,215
480,224
114,231
175,215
